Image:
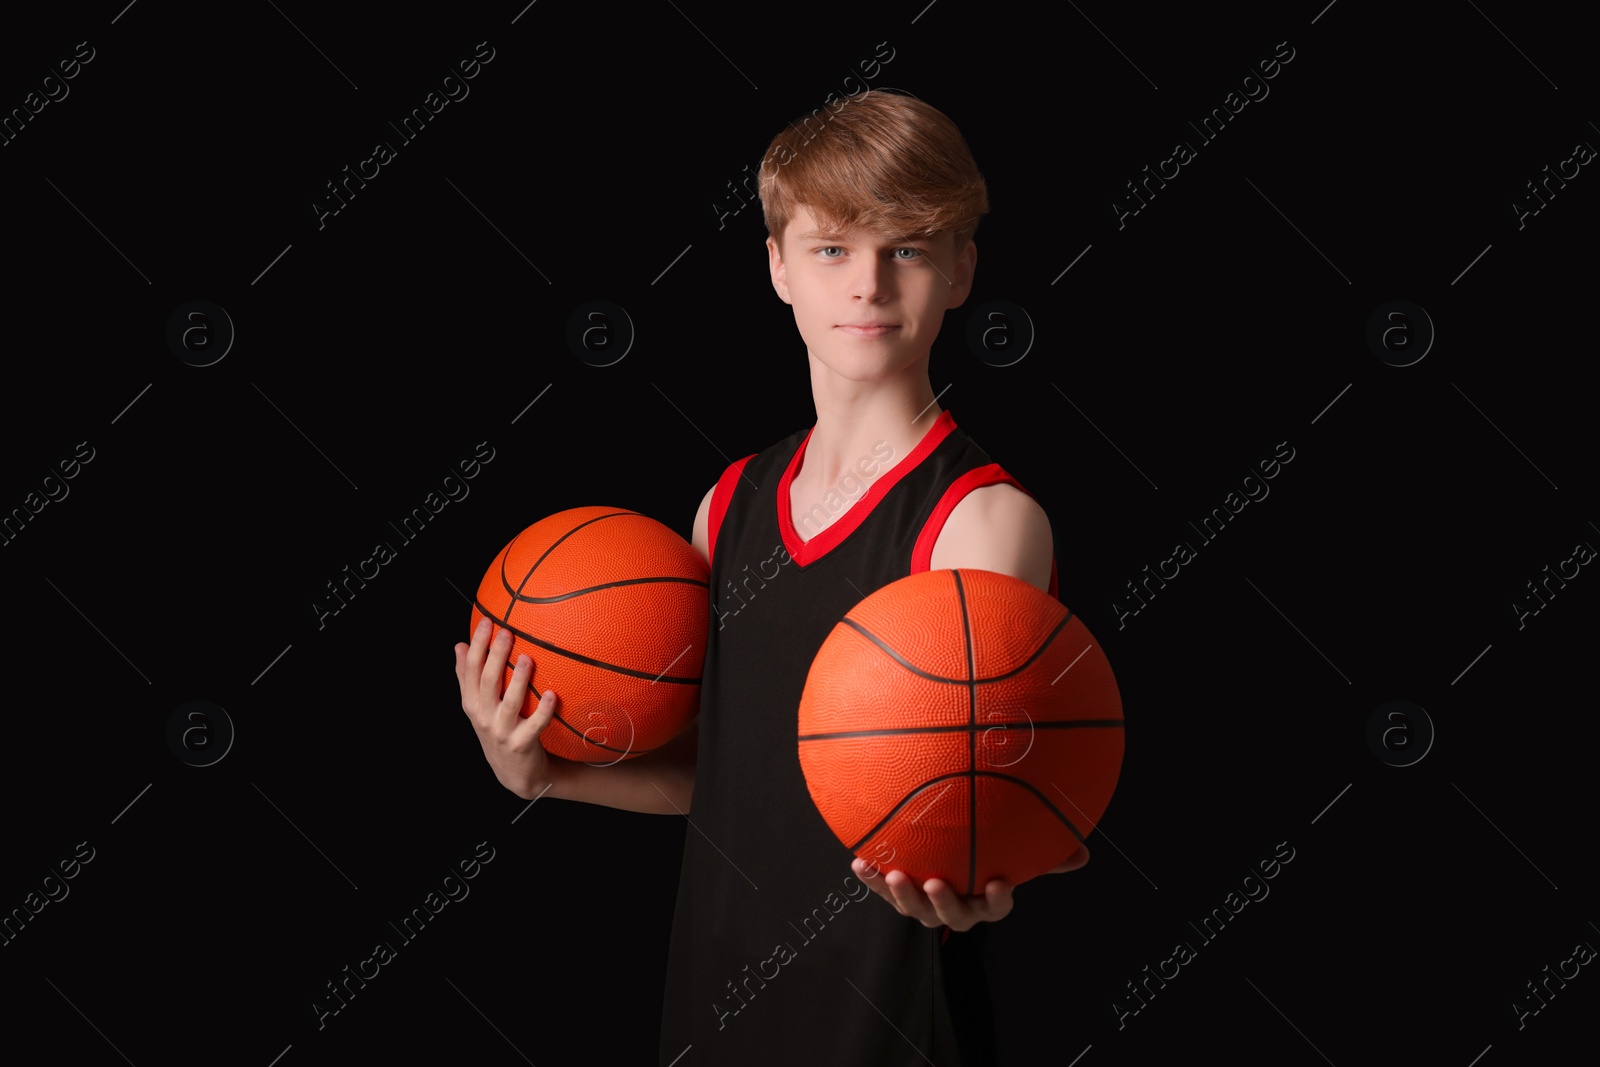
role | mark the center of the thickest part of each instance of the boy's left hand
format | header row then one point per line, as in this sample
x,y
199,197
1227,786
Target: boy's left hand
x,y
935,903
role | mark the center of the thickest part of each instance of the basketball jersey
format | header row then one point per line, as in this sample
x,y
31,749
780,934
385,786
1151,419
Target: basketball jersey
x,y
779,954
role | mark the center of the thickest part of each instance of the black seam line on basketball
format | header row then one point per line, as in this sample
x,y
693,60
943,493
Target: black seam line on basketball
x,y
933,781
909,797
596,744
891,653
567,652
1036,791
972,735
520,599
543,556
1107,724
972,822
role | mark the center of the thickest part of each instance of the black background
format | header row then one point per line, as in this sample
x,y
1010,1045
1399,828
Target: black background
x,y
1181,348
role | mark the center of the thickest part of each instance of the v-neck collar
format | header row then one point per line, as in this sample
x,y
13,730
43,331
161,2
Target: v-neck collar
x,y
804,552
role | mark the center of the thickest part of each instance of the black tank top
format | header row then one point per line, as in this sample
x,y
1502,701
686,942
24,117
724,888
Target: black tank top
x,y
779,954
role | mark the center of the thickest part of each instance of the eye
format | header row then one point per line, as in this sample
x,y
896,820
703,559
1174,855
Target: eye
x,y
823,252
916,253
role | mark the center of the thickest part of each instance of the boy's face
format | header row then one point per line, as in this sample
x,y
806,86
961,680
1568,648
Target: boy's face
x,y
866,303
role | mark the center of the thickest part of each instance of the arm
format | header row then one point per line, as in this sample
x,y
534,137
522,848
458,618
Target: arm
x,y
997,528
661,782
1002,529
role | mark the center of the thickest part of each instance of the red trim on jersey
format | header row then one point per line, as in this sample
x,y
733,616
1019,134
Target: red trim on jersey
x,y
720,498
804,552
976,478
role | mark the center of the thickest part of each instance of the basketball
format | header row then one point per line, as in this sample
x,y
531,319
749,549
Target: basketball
x,y
961,725
612,607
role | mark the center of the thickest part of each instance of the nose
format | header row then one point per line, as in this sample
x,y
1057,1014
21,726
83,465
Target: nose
x,y
870,279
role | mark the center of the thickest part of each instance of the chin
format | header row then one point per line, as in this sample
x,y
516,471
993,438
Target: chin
x,y
857,369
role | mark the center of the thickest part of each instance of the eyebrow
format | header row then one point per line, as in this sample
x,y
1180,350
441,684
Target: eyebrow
x,y
821,235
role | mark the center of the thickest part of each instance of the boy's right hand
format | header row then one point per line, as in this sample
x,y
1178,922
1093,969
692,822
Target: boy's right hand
x,y
510,743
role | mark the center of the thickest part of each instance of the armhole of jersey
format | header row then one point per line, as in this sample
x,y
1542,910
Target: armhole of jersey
x,y
721,496
976,478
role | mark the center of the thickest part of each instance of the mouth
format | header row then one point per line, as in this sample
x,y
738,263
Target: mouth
x,y
867,329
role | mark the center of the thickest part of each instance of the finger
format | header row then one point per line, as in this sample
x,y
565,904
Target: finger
x,y
998,900
963,913
948,907
911,900
529,729
464,678
471,672
479,645
494,670
509,711
872,876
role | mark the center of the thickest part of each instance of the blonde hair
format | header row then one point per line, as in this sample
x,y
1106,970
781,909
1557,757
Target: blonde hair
x,y
882,161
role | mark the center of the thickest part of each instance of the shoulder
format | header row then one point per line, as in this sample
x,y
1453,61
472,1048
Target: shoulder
x,y
997,528
701,536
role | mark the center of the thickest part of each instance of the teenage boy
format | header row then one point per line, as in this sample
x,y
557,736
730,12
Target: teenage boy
x,y
778,956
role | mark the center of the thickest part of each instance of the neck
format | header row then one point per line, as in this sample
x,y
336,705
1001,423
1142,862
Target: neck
x,y
866,426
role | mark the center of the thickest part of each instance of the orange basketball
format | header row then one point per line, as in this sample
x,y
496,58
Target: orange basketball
x,y
961,725
613,609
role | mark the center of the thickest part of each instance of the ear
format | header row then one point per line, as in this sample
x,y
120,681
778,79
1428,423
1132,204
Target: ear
x,y
780,279
961,279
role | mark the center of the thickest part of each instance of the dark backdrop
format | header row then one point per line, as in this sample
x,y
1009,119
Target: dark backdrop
x,y
595,159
